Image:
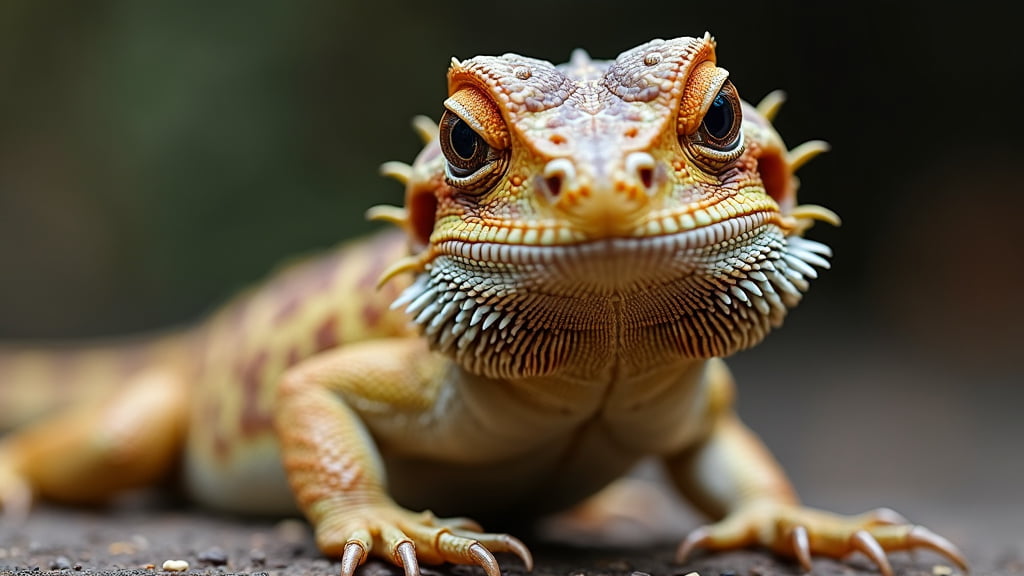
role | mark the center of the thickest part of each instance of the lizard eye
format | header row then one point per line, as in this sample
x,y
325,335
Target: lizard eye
x,y
720,128
468,154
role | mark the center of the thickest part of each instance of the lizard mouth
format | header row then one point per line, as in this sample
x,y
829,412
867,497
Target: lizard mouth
x,y
637,247
708,292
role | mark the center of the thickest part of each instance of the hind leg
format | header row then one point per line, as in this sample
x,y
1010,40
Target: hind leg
x,y
87,454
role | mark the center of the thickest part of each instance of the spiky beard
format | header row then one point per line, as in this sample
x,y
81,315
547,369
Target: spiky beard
x,y
517,311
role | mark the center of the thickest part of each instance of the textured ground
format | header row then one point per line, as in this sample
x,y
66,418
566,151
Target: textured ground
x,y
137,538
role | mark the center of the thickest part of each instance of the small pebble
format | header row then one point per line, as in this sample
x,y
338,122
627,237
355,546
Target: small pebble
x,y
214,556
175,565
258,556
60,563
941,570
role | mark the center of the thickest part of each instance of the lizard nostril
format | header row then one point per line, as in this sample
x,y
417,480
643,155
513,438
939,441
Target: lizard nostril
x,y
554,184
642,165
558,174
647,177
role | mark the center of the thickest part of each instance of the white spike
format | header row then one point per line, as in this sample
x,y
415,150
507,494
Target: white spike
x,y
443,316
427,313
467,337
803,267
810,258
739,294
810,245
797,279
750,287
405,297
762,306
478,314
445,341
781,282
491,319
429,295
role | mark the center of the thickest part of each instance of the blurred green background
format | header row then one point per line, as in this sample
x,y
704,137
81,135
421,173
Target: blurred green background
x,y
155,157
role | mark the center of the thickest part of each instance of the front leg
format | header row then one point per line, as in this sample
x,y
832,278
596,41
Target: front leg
x,y
732,477
336,471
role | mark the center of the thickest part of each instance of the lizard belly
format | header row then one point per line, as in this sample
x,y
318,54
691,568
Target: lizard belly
x,y
497,455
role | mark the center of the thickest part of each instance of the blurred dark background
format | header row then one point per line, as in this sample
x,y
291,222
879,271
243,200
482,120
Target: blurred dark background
x,y
155,157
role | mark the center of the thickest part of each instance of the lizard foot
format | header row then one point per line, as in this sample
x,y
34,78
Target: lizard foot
x,y
15,491
406,539
800,532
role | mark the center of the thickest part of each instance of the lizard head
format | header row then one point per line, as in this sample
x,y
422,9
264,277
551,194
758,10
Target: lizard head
x,y
635,210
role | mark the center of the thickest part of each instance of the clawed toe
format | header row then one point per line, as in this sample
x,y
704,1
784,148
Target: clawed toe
x,y
485,559
695,539
863,542
352,557
406,552
502,543
407,539
803,533
801,546
15,499
921,537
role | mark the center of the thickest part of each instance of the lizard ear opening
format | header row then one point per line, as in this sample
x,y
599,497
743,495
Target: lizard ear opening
x,y
422,206
778,180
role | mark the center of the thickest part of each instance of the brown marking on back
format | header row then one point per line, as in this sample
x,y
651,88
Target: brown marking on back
x,y
327,334
254,419
372,314
220,444
293,357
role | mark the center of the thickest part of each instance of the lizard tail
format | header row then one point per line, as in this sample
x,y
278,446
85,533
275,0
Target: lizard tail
x,y
39,379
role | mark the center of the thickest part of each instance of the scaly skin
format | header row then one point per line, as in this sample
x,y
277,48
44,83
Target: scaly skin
x,y
585,243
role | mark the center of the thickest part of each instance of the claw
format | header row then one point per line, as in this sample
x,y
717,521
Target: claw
x,y
694,539
801,546
521,551
15,503
406,552
353,556
485,559
504,543
865,543
923,537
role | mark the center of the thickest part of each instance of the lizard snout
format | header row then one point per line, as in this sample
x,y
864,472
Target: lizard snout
x,y
603,203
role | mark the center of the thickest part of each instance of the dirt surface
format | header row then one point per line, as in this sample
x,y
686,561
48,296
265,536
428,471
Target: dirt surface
x,y
139,538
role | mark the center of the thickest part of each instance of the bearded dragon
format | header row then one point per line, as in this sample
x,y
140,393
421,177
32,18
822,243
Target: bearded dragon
x,y
579,248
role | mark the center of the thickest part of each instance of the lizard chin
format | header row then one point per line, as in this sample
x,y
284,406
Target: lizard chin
x,y
514,311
